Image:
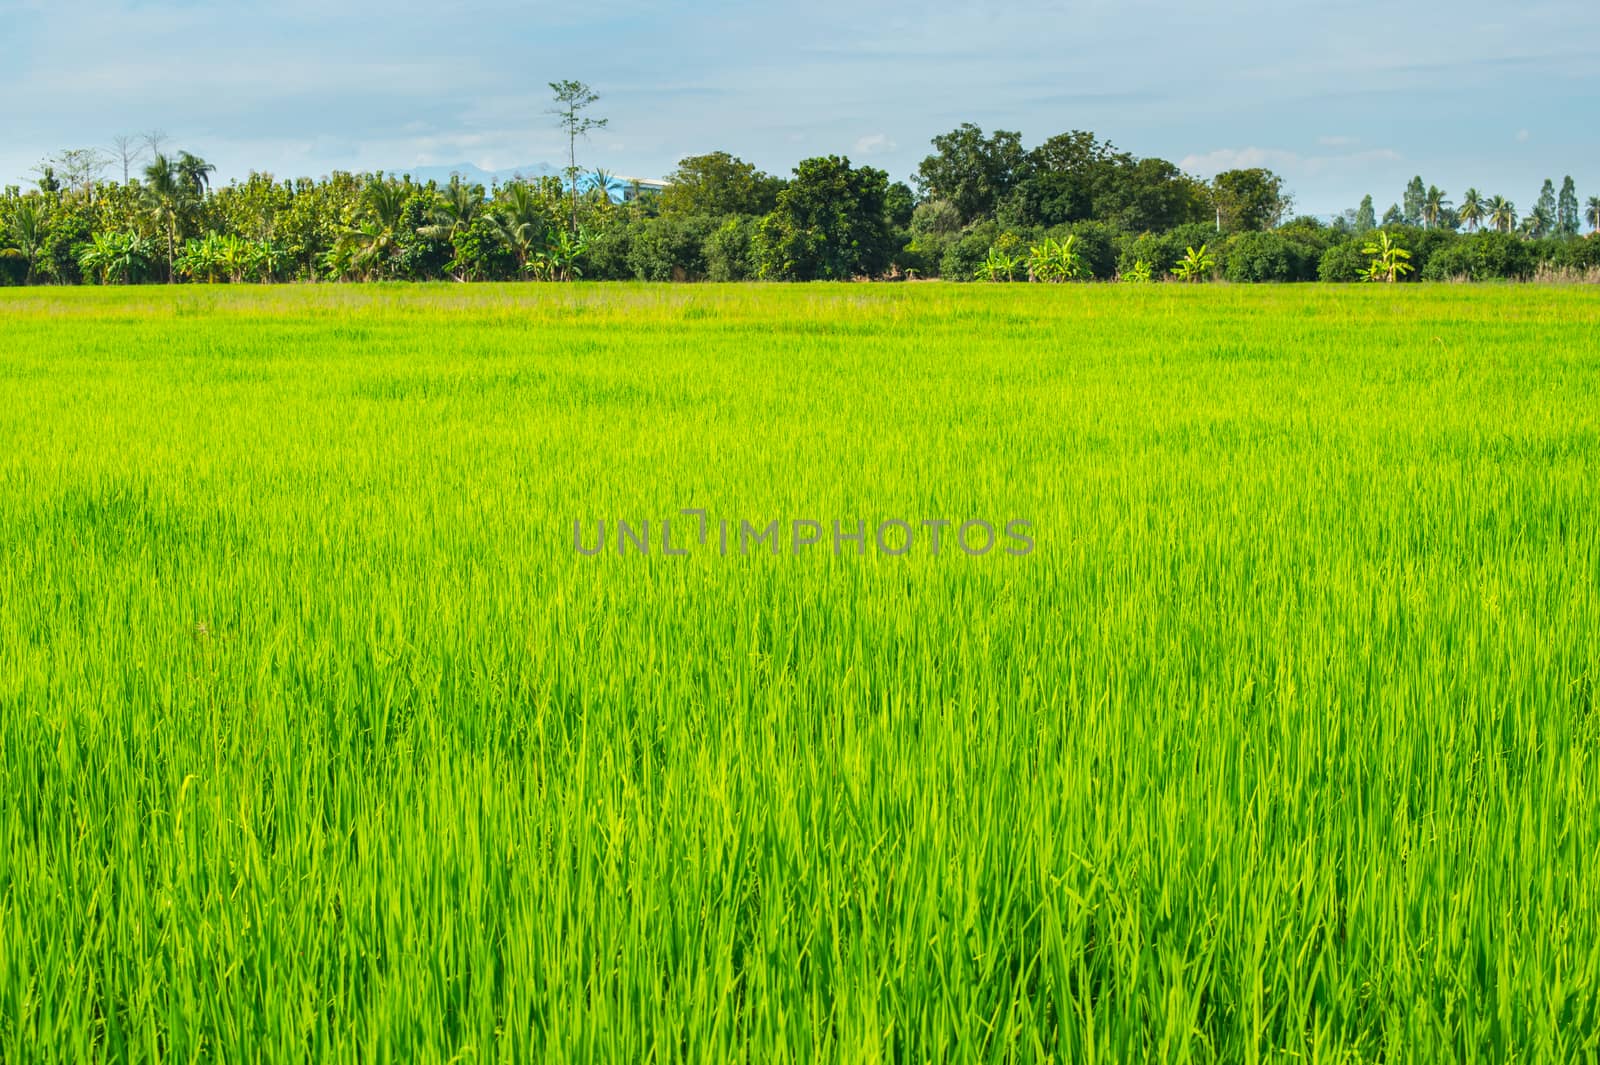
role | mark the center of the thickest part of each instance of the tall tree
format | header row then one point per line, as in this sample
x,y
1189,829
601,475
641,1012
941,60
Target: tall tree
x,y
971,171
154,141
1434,205
1502,213
29,229
1472,208
80,168
126,148
1250,199
1592,214
1546,203
1538,223
718,184
195,173
1366,215
572,100
163,197
1567,222
527,219
459,204
372,246
831,224
1416,196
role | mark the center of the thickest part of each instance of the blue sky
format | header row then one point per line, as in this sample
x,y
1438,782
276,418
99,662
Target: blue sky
x,y
1340,98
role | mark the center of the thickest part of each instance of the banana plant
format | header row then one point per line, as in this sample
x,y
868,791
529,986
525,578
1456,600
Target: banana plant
x,y
1389,263
1138,274
558,261
115,258
999,266
1196,264
266,259
1055,261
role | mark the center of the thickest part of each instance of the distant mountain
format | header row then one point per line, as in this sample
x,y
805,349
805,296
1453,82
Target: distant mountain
x,y
471,172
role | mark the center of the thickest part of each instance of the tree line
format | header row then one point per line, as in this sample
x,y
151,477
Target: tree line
x,y
981,206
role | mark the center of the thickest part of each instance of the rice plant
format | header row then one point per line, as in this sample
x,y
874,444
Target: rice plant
x,y
319,741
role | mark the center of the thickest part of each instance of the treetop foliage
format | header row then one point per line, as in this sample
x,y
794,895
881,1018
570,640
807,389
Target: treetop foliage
x,y
985,206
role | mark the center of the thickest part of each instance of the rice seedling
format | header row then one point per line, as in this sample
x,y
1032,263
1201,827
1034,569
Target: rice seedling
x,y
319,740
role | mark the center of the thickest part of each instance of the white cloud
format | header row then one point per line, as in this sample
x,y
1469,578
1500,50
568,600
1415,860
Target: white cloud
x,y
1282,160
875,144
1335,141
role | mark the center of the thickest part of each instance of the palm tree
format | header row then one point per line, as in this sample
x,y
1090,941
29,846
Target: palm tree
x,y
1433,205
195,173
525,220
1502,214
604,187
28,231
1538,223
163,196
1592,214
376,237
460,207
459,203
1472,208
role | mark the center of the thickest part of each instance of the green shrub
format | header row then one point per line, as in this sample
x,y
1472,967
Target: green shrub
x,y
962,259
1267,256
1343,262
728,250
1481,257
670,248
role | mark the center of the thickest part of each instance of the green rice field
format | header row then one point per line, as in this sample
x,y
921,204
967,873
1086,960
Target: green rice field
x,y
321,740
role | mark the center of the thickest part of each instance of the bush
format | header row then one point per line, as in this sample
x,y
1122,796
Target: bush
x,y
728,253
1343,262
670,248
13,267
71,230
1163,250
1481,257
605,256
961,259
1267,256
1572,253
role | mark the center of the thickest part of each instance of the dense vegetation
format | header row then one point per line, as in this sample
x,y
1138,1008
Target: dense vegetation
x,y
981,205
318,741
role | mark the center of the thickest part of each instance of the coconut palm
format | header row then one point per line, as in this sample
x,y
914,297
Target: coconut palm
x,y
603,187
28,230
459,204
1502,214
1538,223
163,198
195,173
1433,205
372,244
1471,209
525,220
461,208
1592,214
